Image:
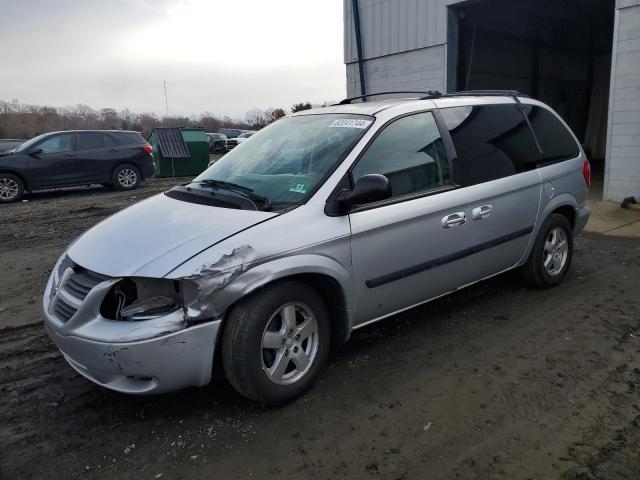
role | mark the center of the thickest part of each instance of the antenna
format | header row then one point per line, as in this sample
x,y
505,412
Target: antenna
x,y
166,106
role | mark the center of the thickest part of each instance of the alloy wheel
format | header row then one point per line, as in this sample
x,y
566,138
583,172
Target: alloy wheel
x,y
290,343
127,177
8,188
556,251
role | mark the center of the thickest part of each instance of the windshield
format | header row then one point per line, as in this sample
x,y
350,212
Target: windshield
x,y
27,145
245,135
287,160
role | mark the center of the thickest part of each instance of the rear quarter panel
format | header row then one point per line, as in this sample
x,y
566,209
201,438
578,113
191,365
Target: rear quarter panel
x,y
562,185
135,155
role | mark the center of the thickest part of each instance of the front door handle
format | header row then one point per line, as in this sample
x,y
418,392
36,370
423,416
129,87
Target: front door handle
x,y
454,220
480,213
68,155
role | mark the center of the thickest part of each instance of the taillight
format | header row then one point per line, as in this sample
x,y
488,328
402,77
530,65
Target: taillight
x,y
148,148
586,172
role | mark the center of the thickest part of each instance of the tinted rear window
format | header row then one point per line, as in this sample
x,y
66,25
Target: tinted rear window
x,y
494,141
131,138
556,141
89,141
94,140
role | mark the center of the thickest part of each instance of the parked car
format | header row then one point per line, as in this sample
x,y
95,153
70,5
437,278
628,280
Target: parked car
x,y
230,132
217,142
327,221
234,142
7,144
62,159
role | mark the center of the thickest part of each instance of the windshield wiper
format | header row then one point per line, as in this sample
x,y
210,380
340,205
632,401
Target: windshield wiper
x,y
246,191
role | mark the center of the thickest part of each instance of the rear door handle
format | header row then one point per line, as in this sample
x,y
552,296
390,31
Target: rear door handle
x,y
68,155
480,213
454,220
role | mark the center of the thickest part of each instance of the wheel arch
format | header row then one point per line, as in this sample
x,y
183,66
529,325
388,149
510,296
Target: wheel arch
x,y
563,204
568,212
122,163
17,174
332,282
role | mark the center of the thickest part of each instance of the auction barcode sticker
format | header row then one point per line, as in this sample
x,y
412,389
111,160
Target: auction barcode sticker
x,y
350,123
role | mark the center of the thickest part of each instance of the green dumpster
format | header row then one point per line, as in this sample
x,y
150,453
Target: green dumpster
x,y
179,152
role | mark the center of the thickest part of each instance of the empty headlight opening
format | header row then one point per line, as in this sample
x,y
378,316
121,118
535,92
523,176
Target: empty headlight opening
x,y
137,299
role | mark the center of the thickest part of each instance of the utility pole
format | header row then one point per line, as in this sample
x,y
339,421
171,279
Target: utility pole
x,y
166,102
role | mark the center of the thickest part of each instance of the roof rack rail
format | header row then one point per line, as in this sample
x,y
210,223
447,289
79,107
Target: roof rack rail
x,y
486,93
430,93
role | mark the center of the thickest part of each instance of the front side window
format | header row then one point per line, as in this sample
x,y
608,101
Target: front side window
x,y
286,161
410,153
57,144
30,143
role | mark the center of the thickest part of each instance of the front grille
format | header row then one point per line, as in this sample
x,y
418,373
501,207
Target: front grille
x,y
231,143
73,290
79,284
63,311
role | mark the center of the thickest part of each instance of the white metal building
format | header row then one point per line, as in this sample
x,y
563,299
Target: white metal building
x,y
582,57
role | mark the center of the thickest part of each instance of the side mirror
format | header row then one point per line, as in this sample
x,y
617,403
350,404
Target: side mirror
x,y
369,188
35,151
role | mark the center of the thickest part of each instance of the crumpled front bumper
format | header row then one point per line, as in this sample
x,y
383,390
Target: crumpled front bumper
x,y
139,357
170,362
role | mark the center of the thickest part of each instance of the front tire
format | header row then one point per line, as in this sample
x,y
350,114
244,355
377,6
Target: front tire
x,y
551,255
126,177
276,343
11,188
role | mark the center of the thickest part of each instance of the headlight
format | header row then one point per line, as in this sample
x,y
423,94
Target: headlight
x,y
136,299
149,308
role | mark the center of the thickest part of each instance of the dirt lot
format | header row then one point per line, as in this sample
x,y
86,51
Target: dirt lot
x,y
497,381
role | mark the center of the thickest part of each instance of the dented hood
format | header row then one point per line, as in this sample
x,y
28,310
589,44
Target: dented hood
x,y
156,235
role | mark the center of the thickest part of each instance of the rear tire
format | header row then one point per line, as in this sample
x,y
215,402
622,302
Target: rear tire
x,y
126,177
11,188
276,342
551,255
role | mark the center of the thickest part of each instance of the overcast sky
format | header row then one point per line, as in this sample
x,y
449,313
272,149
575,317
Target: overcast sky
x,y
221,56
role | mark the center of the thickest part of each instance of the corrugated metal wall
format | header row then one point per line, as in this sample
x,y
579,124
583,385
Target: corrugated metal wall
x,y
392,26
622,172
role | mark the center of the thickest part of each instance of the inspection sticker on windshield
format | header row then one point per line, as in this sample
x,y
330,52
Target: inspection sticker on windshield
x,y
299,188
350,123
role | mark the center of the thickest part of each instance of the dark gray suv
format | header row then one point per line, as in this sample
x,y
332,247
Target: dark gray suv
x,y
62,159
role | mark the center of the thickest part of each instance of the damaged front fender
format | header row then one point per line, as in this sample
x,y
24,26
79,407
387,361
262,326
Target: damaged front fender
x,y
210,279
237,274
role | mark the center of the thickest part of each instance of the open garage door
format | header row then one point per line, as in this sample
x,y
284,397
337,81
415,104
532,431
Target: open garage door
x,y
556,51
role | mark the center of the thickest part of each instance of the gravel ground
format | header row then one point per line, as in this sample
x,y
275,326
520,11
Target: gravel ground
x,y
494,382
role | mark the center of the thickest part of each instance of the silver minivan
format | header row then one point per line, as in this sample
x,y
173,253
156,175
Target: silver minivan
x,y
324,222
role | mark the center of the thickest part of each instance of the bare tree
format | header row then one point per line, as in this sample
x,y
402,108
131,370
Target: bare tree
x,y
257,118
19,120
